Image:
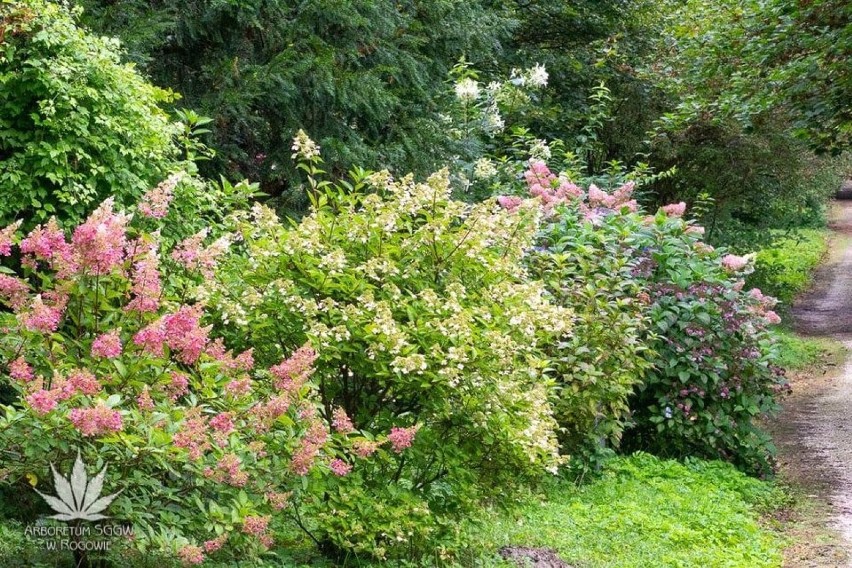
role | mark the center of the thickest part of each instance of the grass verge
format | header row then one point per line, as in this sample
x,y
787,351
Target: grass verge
x,y
642,511
785,269
645,511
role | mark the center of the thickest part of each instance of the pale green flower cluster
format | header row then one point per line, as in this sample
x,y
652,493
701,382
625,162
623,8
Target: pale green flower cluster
x,y
414,294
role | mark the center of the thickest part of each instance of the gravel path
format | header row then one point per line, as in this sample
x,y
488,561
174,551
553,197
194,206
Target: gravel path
x,y
814,432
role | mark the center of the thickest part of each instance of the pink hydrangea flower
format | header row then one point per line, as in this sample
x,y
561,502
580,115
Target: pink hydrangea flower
x,y
278,501
238,387
44,317
339,467
765,301
223,423
144,401
107,345
304,457
178,386
401,438
192,435
365,448
6,237
772,317
255,525
151,338
230,472
264,414
84,382
99,243
539,177
47,242
42,401
510,202
145,284
703,248
734,263
97,420
599,198
13,291
20,370
192,255
191,554
675,209
292,373
242,362
155,203
184,335
215,544
341,422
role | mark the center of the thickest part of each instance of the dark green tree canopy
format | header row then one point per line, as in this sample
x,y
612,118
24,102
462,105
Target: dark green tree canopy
x,y
741,58
361,77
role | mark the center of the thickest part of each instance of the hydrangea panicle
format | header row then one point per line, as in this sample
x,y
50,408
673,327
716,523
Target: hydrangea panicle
x,y
6,238
191,554
155,203
255,525
675,209
402,438
304,148
47,243
339,467
341,422
97,420
99,243
107,345
20,370
292,373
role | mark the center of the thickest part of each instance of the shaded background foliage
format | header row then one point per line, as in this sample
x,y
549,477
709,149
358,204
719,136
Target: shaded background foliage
x,y
76,124
362,77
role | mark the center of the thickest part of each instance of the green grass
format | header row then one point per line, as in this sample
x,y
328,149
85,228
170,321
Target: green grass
x,y
643,511
650,512
798,352
784,269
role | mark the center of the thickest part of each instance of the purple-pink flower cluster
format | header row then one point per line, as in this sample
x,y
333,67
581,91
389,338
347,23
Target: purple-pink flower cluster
x,y
402,438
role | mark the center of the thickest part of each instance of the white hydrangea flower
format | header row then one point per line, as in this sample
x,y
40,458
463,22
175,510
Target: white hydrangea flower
x,y
517,78
539,149
484,168
493,88
467,90
304,147
493,121
538,76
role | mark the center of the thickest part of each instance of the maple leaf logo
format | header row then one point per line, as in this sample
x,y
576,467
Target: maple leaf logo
x,y
77,497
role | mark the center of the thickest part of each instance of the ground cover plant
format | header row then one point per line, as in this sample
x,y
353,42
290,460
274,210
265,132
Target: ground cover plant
x,y
645,511
784,269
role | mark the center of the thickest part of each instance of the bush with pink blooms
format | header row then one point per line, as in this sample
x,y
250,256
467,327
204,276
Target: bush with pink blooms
x,y
213,454
707,355
427,326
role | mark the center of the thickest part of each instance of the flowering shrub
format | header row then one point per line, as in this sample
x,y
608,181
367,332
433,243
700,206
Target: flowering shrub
x,y
212,452
426,325
714,373
711,355
78,125
584,266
